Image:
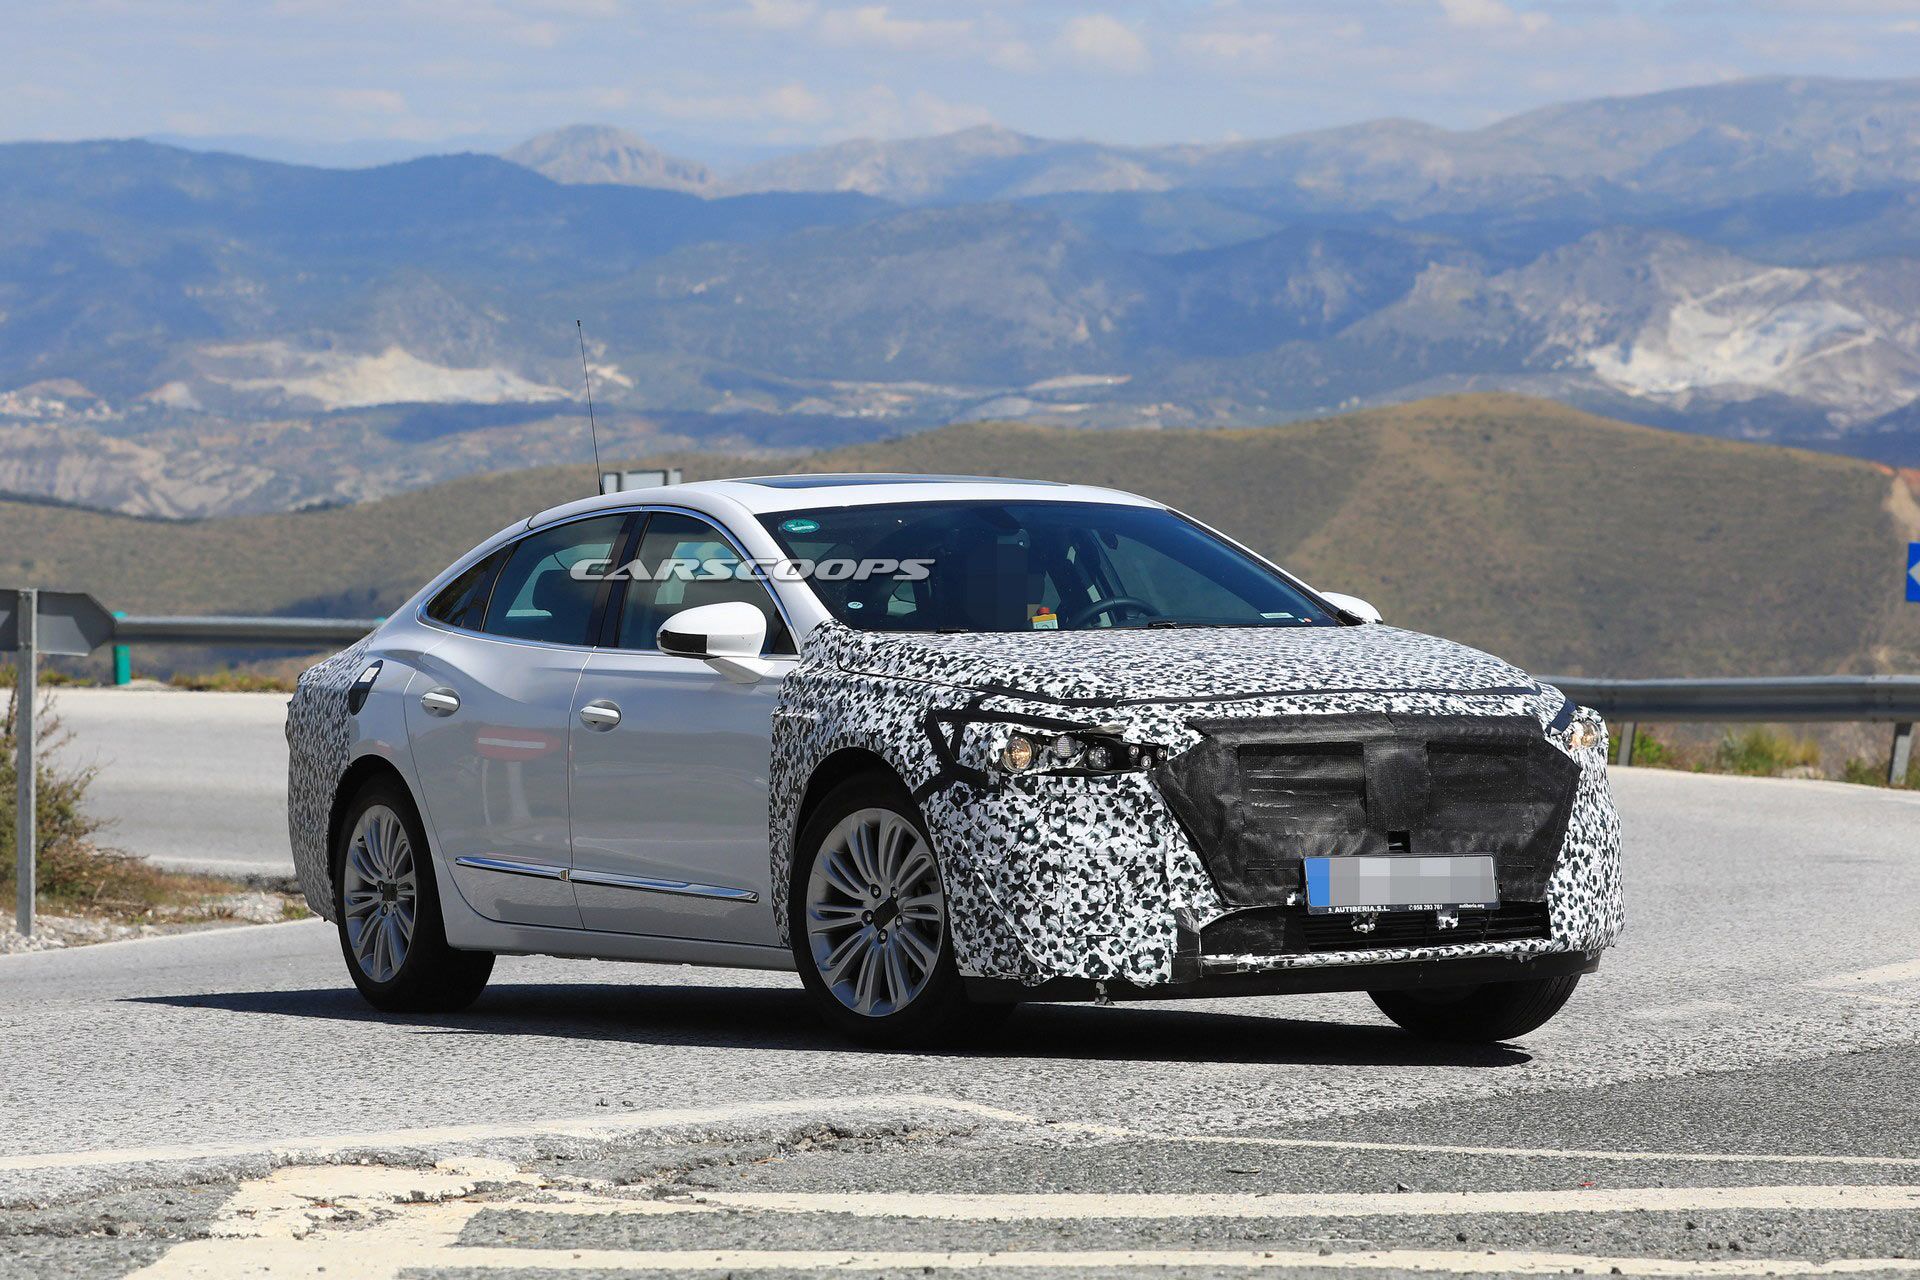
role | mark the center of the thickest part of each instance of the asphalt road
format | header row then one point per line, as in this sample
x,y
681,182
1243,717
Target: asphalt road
x,y
1731,1094
204,791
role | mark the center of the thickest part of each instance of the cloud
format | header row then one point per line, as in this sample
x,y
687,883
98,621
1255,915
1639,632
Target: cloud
x,y
1014,55
787,104
1097,40
380,102
1491,15
876,24
1237,49
772,15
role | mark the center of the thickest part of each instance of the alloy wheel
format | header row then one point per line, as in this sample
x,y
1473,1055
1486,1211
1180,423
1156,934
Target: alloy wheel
x,y
379,893
875,912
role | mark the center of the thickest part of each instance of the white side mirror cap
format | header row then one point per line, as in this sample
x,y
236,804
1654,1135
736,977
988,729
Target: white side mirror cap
x,y
1351,605
727,637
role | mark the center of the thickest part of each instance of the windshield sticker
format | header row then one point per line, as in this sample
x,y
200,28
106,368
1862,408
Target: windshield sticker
x,y
799,525
1045,619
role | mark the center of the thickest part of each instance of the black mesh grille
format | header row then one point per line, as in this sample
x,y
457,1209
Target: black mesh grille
x,y
1258,796
1283,930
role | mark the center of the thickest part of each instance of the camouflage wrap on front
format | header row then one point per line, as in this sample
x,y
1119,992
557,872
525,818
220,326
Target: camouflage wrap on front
x,y
1086,877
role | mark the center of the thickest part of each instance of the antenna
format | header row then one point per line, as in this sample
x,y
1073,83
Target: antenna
x,y
593,431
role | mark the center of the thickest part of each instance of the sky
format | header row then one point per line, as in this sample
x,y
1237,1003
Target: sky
x,y
733,79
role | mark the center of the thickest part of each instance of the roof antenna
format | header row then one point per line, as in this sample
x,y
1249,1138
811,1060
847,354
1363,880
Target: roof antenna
x,y
593,431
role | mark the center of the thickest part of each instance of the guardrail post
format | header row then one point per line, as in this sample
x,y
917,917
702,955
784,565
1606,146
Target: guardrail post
x,y
27,611
1623,753
1902,754
122,658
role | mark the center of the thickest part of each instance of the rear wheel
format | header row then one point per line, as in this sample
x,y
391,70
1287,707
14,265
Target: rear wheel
x,y
1482,1014
388,911
869,924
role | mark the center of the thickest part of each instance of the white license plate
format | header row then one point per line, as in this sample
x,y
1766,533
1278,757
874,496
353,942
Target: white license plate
x,y
1399,883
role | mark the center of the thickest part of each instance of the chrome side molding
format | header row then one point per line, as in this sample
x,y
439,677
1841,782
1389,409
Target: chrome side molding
x,y
645,884
509,867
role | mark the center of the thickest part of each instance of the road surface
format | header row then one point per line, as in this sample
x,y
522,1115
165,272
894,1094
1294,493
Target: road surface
x,y
1731,1094
194,781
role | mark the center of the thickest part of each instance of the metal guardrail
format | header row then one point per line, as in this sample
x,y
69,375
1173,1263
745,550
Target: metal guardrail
x,y
1870,699
138,629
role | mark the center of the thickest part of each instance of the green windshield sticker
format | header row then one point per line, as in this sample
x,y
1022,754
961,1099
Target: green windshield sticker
x,y
799,526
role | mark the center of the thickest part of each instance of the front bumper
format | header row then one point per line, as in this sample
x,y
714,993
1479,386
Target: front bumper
x,y
1084,880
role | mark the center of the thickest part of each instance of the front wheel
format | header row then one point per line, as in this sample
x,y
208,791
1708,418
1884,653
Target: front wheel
x,y
868,919
1482,1014
388,912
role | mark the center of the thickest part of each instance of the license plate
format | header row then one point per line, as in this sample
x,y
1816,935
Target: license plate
x,y
1405,883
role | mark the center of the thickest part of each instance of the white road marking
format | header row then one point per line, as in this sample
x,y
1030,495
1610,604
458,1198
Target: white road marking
x,y
1901,971
611,1128
602,1127
1444,1261
968,1207
377,1221
1543,1153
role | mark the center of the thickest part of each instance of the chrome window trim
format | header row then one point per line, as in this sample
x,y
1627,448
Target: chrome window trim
x,y
482,552
649,884
512,867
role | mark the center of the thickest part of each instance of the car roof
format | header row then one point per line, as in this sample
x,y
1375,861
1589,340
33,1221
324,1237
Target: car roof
x,y
761,495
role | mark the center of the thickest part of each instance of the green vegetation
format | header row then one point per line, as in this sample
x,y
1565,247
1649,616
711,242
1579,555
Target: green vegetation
x,y
1569,543
1764,752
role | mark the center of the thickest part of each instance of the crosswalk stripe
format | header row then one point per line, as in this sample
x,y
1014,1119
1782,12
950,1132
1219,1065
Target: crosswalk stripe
x,y
1455,1262
967,1207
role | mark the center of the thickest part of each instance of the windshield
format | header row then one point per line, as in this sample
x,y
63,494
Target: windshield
x,y
1031,566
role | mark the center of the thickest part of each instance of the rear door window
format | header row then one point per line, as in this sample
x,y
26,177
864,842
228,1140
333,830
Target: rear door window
x,y
540,595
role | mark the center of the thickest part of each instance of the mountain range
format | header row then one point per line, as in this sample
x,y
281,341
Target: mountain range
x,y
191,333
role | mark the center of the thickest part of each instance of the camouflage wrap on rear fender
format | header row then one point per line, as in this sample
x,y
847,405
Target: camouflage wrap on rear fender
x,y
319,742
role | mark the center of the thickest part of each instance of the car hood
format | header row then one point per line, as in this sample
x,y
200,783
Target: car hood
x,y
1142,666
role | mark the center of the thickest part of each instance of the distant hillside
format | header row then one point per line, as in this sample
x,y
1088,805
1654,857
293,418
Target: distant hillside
x,y
191,333
585,153
1564,541
1693,146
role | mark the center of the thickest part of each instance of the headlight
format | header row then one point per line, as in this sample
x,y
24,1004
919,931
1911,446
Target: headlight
x,y
1074,754
1583,735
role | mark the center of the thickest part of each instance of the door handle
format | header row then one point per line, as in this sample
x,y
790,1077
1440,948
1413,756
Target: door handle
x,y
440,701
601,715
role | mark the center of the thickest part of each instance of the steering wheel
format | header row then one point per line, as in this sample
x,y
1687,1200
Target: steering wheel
x,y
1088,612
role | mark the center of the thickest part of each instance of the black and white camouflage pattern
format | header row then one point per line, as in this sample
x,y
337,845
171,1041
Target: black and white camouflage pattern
x,y
319,747
1085,877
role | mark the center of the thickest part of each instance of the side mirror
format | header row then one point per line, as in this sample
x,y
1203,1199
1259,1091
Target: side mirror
x,y
727,637
1353,606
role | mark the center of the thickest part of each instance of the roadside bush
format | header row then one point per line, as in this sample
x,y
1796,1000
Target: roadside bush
x,y
1873,773
1764,752
72,866
1655,754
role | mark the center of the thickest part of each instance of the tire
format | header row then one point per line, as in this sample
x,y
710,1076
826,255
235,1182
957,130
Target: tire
x,y
895,985
391,871
1482,1014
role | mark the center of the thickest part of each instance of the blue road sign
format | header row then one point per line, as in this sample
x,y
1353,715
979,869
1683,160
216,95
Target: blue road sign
x,y
1913,572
